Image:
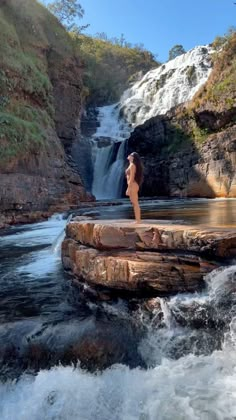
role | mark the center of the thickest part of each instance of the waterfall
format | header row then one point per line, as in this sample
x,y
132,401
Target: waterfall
x,y
56,245
171,84
109,153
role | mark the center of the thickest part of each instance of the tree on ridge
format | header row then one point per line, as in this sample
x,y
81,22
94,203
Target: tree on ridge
x,y
67,11
175,51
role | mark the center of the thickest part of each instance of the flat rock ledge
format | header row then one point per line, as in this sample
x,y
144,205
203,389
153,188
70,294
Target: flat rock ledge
x,y
146,258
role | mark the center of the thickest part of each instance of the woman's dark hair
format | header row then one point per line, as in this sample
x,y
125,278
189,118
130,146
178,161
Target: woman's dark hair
x,y
139,168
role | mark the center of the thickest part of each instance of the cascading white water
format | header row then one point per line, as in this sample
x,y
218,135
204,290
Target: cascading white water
x,y
110,124
193,387
109,185
41,262
171,84
109,151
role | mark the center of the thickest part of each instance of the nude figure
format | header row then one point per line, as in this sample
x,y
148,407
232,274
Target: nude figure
x,y
134,176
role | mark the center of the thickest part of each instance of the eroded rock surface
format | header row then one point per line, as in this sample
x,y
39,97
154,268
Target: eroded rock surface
x,y
109,235
146,258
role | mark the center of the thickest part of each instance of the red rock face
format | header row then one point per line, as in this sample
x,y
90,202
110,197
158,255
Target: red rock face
x,y
42,182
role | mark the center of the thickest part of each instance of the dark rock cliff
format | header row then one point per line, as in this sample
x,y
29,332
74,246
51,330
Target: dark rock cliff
x,y
176,166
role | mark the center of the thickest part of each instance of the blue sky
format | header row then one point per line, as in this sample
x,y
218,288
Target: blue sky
x,y
160,24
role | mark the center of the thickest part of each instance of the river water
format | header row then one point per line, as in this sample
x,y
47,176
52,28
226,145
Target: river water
x,y
66,355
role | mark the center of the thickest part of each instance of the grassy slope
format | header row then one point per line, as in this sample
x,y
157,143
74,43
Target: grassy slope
x,y
27,32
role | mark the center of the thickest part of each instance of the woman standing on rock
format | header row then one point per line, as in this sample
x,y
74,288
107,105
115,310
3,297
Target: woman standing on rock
x,y
134,175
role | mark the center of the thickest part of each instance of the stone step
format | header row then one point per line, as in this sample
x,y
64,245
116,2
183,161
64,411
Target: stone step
x,y
152,236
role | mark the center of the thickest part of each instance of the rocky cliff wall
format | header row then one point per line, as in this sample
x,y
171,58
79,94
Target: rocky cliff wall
x,y
175,165
40,105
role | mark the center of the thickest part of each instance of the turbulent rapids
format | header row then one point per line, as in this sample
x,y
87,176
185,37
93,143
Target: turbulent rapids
x,y
200,384
145,359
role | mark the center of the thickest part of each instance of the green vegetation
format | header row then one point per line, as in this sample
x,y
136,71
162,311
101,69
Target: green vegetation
x,y
109,67
219,93
67,11
33,43
219,41
109,64
199,134
18,136
191,74
178,139
182,136
217,96
175,51
27,32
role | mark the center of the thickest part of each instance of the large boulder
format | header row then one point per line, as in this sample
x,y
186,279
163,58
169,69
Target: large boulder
x,y
147,258
140,272
122,234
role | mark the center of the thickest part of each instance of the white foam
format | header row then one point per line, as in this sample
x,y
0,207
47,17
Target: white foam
x,y
190,388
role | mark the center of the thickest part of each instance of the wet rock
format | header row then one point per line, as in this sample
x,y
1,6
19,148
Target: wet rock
x,y
144,259
92,213
196,315
152,305
80,218
92,344
122,234
22,218
133,271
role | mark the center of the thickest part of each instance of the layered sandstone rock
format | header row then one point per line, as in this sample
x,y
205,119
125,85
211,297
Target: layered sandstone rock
x,y
110,235
144,258
135,271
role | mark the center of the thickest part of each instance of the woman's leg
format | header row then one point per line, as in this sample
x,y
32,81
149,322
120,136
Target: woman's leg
x,y
135,203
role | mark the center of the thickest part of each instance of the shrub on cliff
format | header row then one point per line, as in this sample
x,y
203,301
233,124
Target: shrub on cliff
x,y
109,67
219,93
